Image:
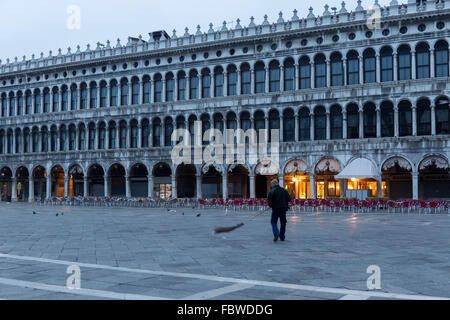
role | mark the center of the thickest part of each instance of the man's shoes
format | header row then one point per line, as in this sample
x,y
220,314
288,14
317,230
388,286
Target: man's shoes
x,y
275,239
282,239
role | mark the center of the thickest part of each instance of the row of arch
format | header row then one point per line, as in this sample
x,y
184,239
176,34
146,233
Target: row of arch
x,y
318,71
430,178
335,122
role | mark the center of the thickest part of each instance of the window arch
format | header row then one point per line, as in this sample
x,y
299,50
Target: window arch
x,y
274,122
19,103
370,120
145,133
103,94
35,140
28,102
218,122
245,79
123,134
246,122
84,96
320,123
134,134
387,64
260,122
305,124
114,93
12,104
218,82
146,89
423,117
157,132
193,84
274,76
112,135
82,137
64,98
37,101
170,86
288,125
352,67
260,77
168,130
206,83
4,102
232,80
352,121
442,115
2,141
91,140
320,80
387,119
181,85
158,87
47,99
206,125
422,61
72,137
44,139
18,141
336,122
53,139
73,97
441,59
405,118
337,69
191,124
93,95
404,62
369,63
26,140
9,141
135,88
102,136
124,92
62,138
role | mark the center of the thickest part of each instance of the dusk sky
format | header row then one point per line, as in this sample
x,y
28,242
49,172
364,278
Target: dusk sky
x,y
41,25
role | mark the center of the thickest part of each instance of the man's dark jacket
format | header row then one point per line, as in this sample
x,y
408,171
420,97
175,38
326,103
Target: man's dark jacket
x,y
279,198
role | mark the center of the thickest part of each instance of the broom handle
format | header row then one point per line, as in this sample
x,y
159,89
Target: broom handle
x,y
256,216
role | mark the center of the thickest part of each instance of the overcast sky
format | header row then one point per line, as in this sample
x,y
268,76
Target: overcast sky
x,y
35,26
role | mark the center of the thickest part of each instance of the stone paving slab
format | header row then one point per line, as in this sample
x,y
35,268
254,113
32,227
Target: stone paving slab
x,y
324,250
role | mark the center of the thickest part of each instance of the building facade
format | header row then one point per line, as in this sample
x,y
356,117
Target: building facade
x,y
99,122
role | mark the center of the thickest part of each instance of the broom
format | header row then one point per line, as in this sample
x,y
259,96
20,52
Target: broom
x,y
229,229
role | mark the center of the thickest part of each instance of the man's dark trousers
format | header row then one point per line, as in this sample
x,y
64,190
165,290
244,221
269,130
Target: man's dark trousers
x,y
279,214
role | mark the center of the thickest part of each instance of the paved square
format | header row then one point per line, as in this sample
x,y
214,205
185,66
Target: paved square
x,y
134,253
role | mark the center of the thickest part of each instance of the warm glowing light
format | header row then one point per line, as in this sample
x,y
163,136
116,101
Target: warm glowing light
x,y
353,179
294,179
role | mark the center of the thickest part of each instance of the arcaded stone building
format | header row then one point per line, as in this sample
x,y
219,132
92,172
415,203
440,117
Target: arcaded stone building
x,y
98,121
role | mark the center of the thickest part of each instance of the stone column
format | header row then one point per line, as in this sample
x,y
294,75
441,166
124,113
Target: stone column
x,y
361,70
413,65
433,120
414,120
48,189
30,189
13,151
225,185
328,125
106,180
378,66
188,87
380,187
174,186
344,124
281,180
378,122
313,75
267,127
281,78
328,73
150,186
252,81
343,188
396,122
175,88
297,129
252,186
77,141
108,132
344,66
238,83
296,74
164,91
139,137
108,96
415,185
66,185
311,127
128,186
432,66
266,80
395,66
14,190
225,83
282,137
361,123
199,186
85,186
312,187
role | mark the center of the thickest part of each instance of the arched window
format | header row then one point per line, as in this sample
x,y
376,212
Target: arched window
x,y
170,87
193,84
73,97
158,87
64,98
260,77
18,142
93,95
168,129
114,93
145,133
157,132
37,101
102,136
82,137
9,139
191,122
44,137
305,124
112,135
336,122
4,102
146,88
53,138
19,103
352,121
352,67
246,123
274,123
369,66
218,122
442,116
12,104
28,103
423,117
370,120
218,82
134,134
26,140
404,62
232,80
274,76
46,100
289,74
135,87
320,123
231,121
72,137
422,61
206,83
405,118
35,140
181,86
320,71
337,70
84,96
245,79
387,64
2,141
122,135
260,122
288,125
206,125
124,92
441,58
305,73
103,95
63,138
387,119
91,142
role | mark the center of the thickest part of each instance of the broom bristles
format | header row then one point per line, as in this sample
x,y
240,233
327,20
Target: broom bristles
x,y
227,229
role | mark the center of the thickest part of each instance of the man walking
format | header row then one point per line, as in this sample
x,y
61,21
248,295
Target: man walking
x,y
278,200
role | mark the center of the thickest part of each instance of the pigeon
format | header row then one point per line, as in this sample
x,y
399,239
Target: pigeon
x,y
57,214
183,213
199,215
34,212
